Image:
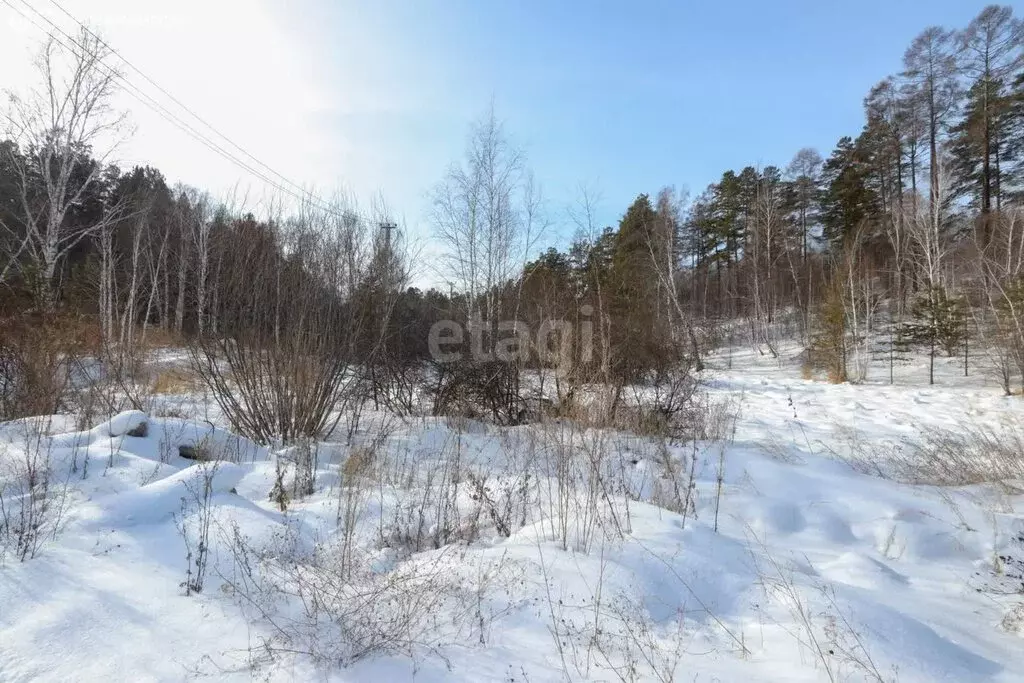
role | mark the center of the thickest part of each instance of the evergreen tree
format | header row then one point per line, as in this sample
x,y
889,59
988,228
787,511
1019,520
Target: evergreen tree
x,y
848,199
990,55
828,342
640,321
728,221
636,239
984,148
939,322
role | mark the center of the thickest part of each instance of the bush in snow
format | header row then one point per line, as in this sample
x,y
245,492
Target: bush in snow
x,y
193,524
347,614
38,356
31,502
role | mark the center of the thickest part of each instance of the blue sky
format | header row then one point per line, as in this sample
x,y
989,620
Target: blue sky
x,y
625,97
375,96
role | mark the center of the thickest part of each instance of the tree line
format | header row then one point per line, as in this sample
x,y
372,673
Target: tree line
x,y
910,233
913,225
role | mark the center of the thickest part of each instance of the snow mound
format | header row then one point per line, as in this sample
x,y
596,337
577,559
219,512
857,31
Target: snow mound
x,y
123,423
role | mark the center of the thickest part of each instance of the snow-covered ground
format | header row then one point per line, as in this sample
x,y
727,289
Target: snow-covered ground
x,y
790,562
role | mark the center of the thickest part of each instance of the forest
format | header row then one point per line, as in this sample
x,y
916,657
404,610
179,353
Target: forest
x,y
910,231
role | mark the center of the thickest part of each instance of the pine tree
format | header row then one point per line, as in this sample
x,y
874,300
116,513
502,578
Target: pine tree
x,y
642,335
848,200
728,221
939,322
990,54
828,348
893,346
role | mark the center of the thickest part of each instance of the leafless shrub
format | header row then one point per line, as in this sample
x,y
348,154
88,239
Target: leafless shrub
x,y
305,456
665,405
581,471
504,501
427,513
673,407
38,357
829,633
489,390
674,489
32,499
359,472
101,390
610,634
279,493
967,454
346,614
350,408
353,494
506,493
396,384
716,419
863,452
281,359
193,524
615,638
588,472
174,381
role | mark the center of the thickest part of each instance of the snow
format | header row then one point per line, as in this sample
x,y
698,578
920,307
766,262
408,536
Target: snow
x,y
125,422
818,569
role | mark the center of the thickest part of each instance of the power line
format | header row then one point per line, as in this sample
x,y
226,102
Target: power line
x,y
138,94
179,102
153,104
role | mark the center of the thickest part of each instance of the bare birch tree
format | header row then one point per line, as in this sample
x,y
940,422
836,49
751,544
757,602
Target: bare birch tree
x,y
486,215
58,125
